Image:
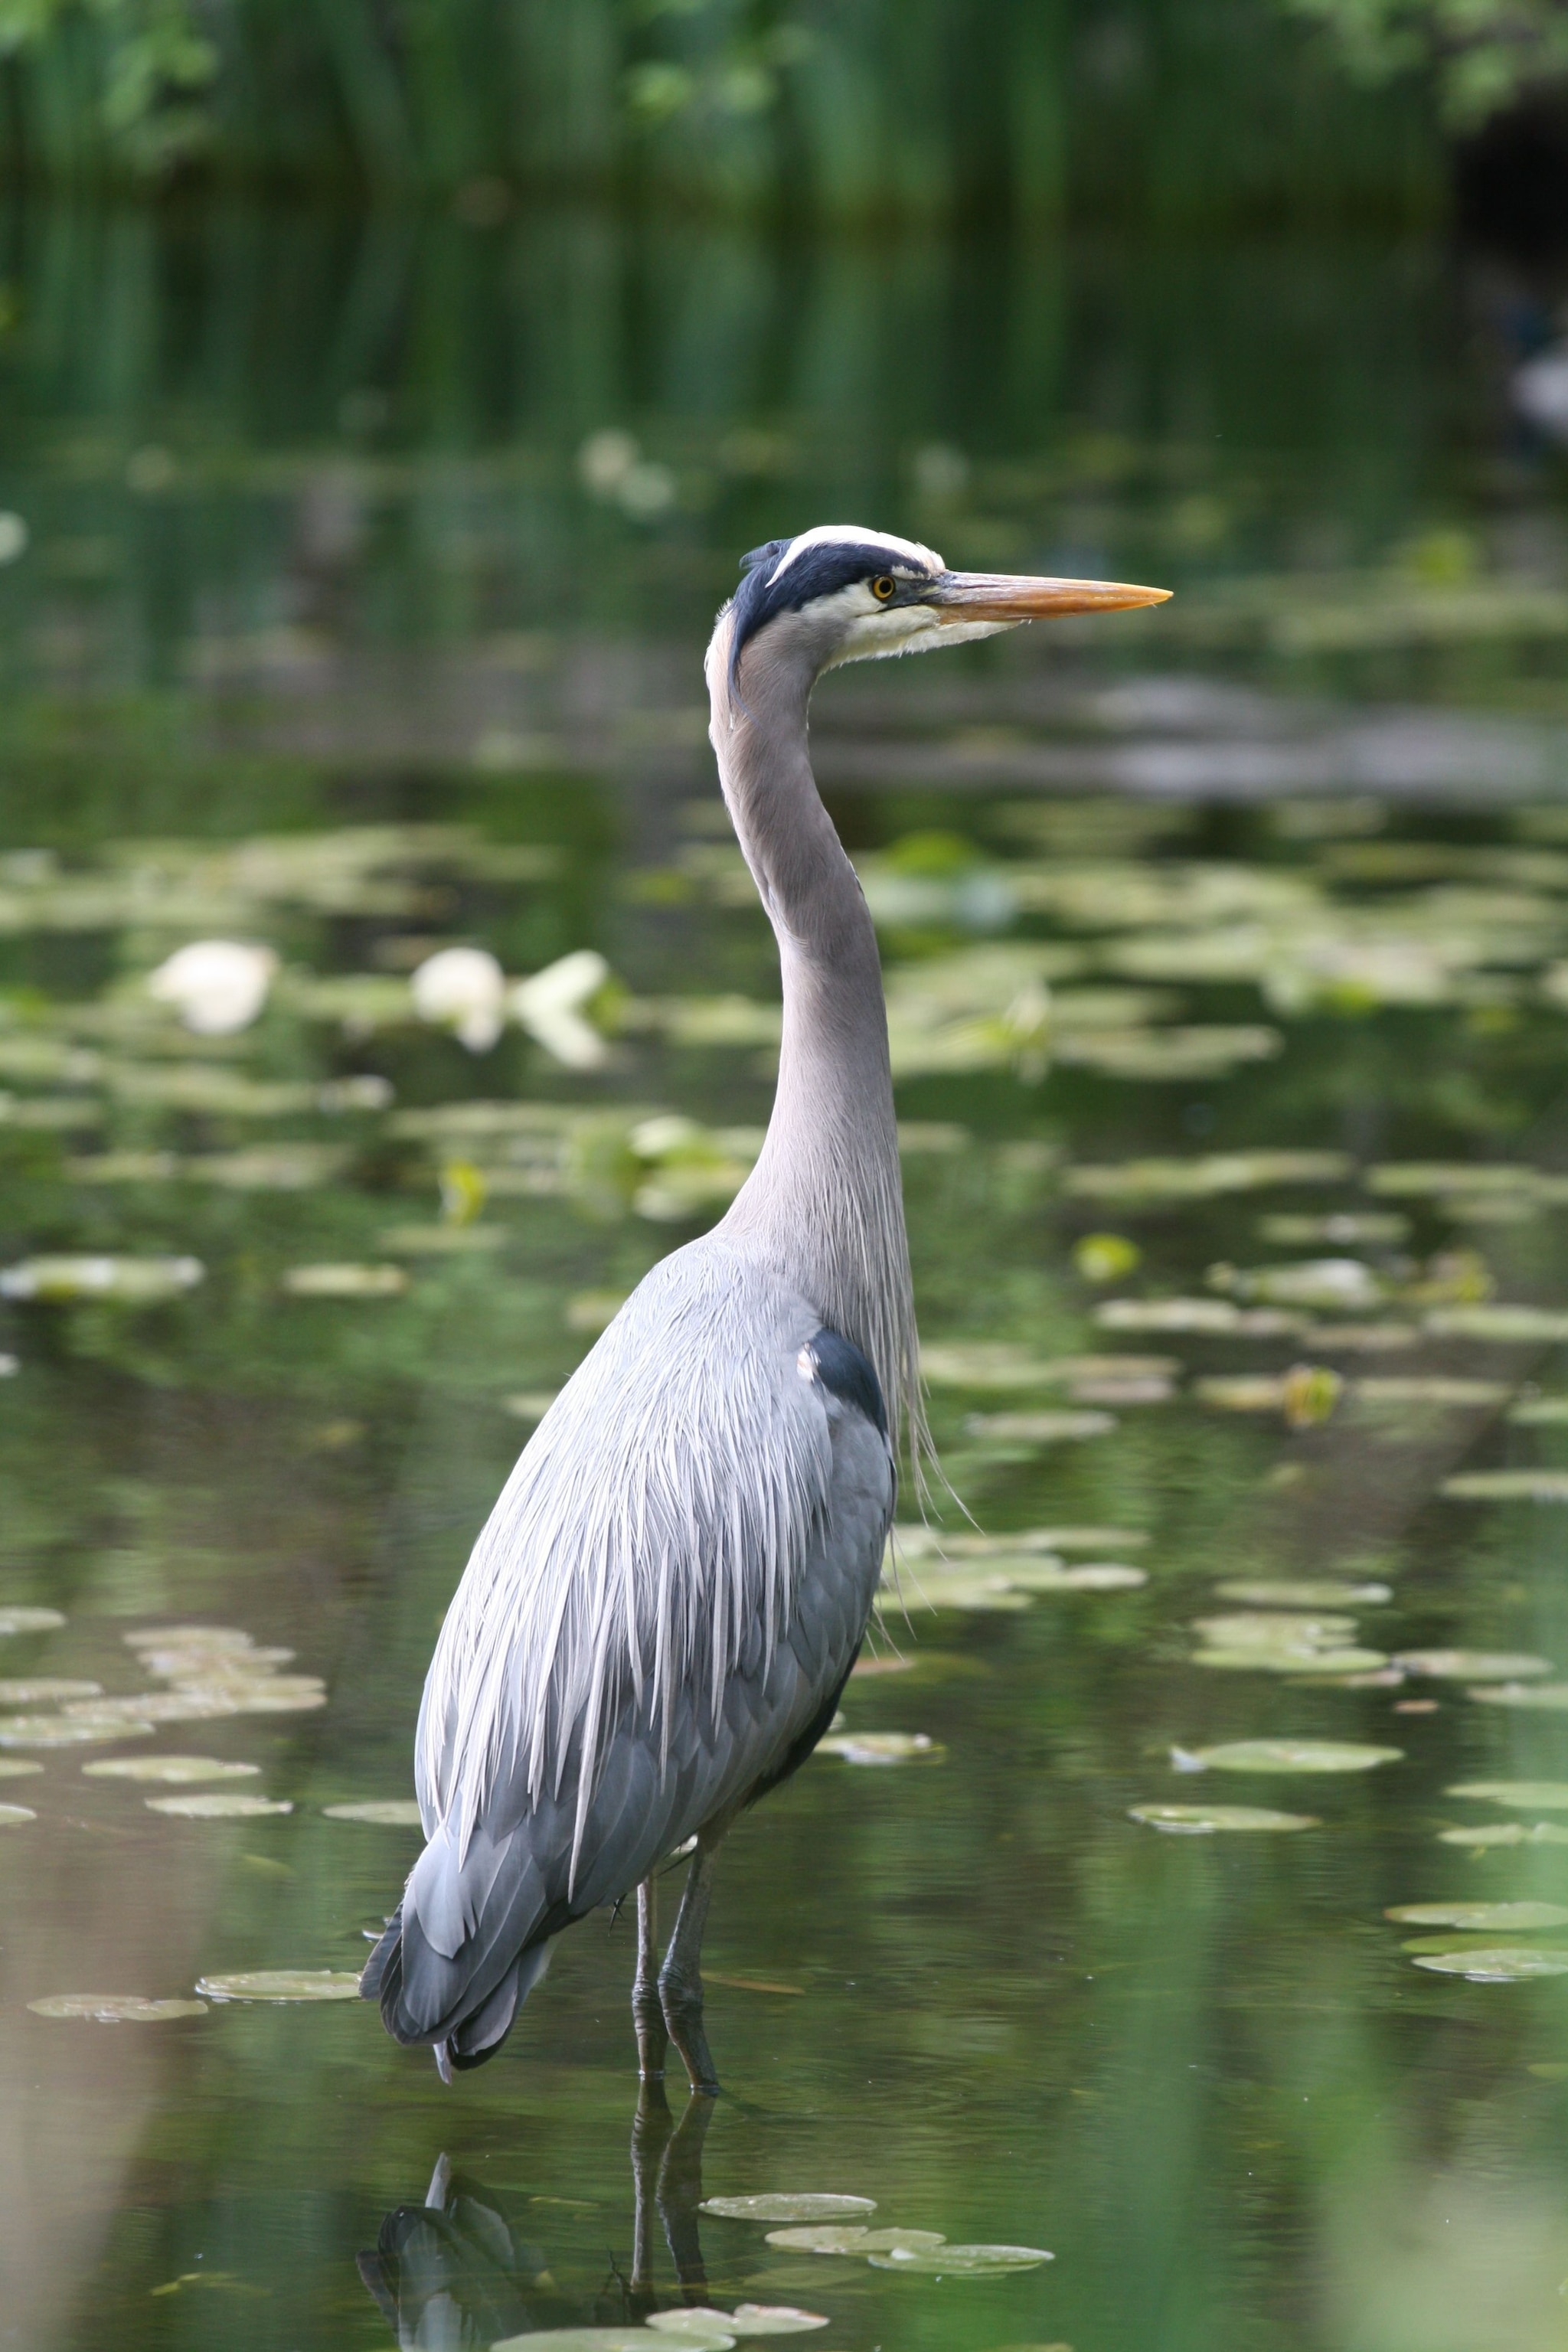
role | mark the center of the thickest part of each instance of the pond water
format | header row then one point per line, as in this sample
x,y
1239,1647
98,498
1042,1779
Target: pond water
x,y
1229,988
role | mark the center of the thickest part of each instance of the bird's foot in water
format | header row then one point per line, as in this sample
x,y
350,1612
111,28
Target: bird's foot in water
x,y
653,2034
681,1997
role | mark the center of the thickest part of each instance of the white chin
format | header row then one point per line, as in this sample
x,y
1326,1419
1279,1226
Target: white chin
x,y
883,635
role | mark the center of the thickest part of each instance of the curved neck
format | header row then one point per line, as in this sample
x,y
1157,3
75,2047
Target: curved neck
x,y
824,1200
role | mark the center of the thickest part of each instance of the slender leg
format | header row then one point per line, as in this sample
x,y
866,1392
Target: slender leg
x,y
681,1978
647,2012
680,2194
650,2136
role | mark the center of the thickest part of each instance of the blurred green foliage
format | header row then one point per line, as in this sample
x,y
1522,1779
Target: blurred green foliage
x,y
1479,55
857,109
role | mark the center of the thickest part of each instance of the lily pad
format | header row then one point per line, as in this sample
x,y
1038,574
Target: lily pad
x,y
29,1621
1507,1486
1471,1665
599,2339
1484,1916
964,2262
281,1984
11,1815
384,1813
1294,1756
115,2008
47,1691
1088,1576
1285,1592
128,1281
69,1731
1551,1795
804,2205
747,2319
1205,1820
1551,1698
175,1770
854,2239
1516,1327
1039,1428
218,1805
1478,1834
879,1747
1497,1963
346,1281
15,1768
1540,1412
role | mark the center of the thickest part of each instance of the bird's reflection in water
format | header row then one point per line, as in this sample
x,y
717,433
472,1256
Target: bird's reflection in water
x,y
454,2272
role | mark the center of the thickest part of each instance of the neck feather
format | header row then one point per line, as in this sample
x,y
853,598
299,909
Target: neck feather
x,y
824,1200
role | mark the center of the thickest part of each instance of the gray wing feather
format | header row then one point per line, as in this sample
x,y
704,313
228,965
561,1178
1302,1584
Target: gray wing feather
x,y
770,1502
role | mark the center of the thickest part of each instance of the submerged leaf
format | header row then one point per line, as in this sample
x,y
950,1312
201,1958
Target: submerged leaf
x,y
878,1746
1551,1697
1481,1916
175,1769
1202,1820
804,2205
1497,1964
1551,1796
218,1805
962,2262
385,1812
281,1984
1509,1486
115,2008
1294,1756
1471,1665
854,2239
29,1621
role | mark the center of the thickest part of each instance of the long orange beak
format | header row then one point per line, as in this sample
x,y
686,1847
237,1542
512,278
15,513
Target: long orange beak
x,y
1007,596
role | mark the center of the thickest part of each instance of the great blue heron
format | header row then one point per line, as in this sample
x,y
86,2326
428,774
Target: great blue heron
x,y
663,1608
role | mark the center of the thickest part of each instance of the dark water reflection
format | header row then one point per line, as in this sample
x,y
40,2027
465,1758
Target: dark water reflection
x,y
1200,2071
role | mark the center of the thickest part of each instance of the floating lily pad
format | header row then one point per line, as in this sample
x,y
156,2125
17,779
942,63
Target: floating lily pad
x,y
47,1691
1478,1834
1088,1576
1551,1795
1497,1963
115,2008
1484,1916
854,2239
15,1767
879,1747
69,1731
964,2262
128,1281
1507,1486
218,1805
1551,1698
1205,1820
600,2340
257,1697
1517,1326
175,1769
1294,1756
1039,1428
29,1621
1471,1665
188,1637
384,1813
346,1281
281,1984
747,2319
11,1815
1540,1412
1285,1592
805,2205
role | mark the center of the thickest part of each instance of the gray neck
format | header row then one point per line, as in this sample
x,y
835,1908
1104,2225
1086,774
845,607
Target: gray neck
x,y
824,1200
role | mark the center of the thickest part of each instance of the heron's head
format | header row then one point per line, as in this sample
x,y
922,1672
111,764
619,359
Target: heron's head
x,y
841,594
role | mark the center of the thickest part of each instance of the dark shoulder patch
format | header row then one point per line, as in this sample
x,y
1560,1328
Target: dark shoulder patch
x,y
845,1373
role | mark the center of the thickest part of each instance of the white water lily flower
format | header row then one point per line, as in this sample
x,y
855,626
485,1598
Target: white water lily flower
x,y
216,986
463,989
549,1006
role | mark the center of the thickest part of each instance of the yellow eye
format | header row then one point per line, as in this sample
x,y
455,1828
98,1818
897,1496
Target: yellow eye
x,y
884,589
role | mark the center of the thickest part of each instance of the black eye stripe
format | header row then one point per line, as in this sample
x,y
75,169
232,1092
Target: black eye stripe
x,y
815,571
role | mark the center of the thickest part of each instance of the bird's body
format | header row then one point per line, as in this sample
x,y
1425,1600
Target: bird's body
x,y
658,1617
